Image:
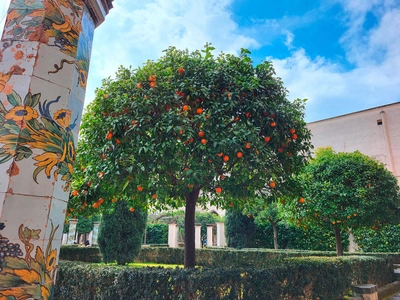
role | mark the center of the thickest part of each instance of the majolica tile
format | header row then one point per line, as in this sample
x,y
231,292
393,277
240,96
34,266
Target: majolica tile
x,y
56,219
54,66
20,58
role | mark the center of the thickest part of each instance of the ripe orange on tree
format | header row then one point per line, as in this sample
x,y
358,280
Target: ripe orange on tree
x,y
294,136
139,85
181,70
152,78
247,145
267,139
201,133
219,154
114,200
153,84
139,188
186,107
225,158
203,141
301,200
154,196
199,111
218,190
131,209
272,184
109,135
292,130
75,193
273,124
239,154
95,205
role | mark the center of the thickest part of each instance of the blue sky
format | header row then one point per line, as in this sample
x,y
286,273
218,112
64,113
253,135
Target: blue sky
x,y
342,55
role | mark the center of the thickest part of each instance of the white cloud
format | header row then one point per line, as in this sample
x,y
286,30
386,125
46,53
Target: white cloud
x,y
134,33
373,81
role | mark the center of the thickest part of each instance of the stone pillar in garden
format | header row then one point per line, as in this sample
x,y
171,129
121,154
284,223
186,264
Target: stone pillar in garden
x,y
220,234
210,235
173,235
197,235
72,231
44,60
95,233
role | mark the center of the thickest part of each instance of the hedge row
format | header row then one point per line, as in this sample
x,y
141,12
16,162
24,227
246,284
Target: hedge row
x,y
295,278
217,257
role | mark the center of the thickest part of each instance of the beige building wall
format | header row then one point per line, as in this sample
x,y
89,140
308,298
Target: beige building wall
x,y
374,132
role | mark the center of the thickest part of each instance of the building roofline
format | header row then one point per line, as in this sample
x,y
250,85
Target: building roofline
x,y
356,112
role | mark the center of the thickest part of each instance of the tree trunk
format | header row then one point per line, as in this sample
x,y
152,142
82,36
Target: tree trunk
x,y
190,254
338,238
275,235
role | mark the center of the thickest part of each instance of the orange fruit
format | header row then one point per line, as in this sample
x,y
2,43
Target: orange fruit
x,y
348,217
267,139
152,78
89,184
109,135
239,154
294,136
133,122
83,168
191,140
139,188
218,190
236,119
355,215
273,124
222,177
230,204
95,205
154,196
181,70
75,193
292,130
114,200
226,158
153,84
280,150
229,95
118,141
100,175
101,200
247,146
301,200
131,209
248,114
201,133
272,184
139,85
203,141
186,107
199,111
219,154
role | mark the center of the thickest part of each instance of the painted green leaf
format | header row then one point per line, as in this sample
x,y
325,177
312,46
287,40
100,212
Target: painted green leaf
x,y
14,99
16,263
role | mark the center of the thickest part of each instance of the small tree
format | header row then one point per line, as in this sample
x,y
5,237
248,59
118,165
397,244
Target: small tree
x,y
346,191
121,234
186,123
239,229
272,215
84,226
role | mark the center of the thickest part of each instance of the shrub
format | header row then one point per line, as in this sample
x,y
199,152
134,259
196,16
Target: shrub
x,y
385,239
296,278
239,230
157,233
121,234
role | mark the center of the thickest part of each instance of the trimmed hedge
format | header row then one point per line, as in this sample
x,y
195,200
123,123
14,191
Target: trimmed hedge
x,y
296,278
76,253
217,257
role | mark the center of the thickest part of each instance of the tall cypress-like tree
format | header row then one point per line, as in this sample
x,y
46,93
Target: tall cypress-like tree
x,y
121,234
240,229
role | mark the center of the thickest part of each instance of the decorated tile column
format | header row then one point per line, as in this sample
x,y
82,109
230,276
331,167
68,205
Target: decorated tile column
x,y
44,60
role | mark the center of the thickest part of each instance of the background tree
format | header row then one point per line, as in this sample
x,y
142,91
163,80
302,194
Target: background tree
x,y
270,214
186,123
84,226
239,229
157,233
346,191
121,234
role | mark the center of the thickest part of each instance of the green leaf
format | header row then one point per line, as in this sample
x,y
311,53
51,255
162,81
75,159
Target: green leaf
x,y
14,99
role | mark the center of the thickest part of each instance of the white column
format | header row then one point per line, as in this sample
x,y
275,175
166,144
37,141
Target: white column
x,y
90,238
173,235
95,233
353,247
72,230
197,236
64,238
210,235
220,234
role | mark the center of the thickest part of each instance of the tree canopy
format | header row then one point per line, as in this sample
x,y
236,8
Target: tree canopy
x,y
346,191
156,136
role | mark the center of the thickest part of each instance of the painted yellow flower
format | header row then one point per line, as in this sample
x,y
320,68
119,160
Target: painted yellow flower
x,y
20,113
4,78
46,161
63,117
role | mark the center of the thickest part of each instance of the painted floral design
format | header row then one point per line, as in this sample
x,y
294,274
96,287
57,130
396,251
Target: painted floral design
x,y
23,128
29,277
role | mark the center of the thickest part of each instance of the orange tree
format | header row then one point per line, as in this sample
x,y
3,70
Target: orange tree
x,y
346,191
189,129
